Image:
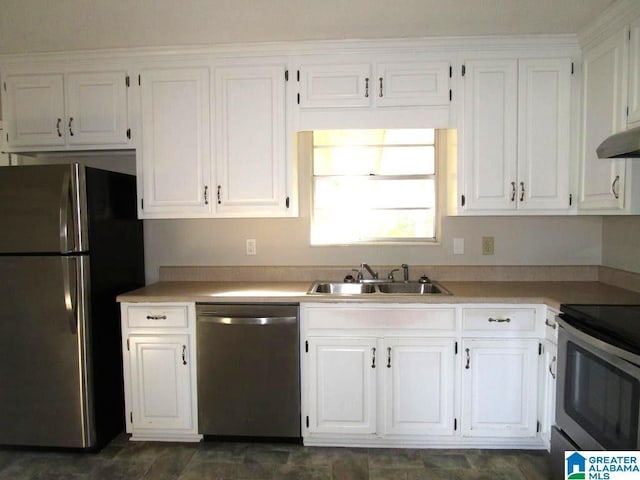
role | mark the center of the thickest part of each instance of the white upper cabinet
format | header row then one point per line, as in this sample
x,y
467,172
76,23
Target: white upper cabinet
x,y
373,91
634,74
341,85
252,154
490,134
77,109
175,149
516,133
380,84
604,71
544,133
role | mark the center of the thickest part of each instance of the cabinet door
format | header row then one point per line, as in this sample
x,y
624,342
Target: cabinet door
x,y
411,84
603,109
419,385
160,382
548,369
34,110
96,108
490,134
176,159
342,384
499,387
634,75
544,133
251,148
327,86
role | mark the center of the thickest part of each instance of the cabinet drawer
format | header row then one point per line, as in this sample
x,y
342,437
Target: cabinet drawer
x,y
158,316
499,319
380,317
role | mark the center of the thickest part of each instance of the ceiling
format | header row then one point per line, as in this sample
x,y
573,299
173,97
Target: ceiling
x,y
45,25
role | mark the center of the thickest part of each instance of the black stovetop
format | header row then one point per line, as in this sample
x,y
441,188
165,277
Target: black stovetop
x,y
615,324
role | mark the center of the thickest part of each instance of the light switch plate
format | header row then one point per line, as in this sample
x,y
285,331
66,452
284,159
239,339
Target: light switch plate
x,y
458,246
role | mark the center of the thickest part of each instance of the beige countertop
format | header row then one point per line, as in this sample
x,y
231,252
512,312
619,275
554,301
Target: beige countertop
x,y
549,293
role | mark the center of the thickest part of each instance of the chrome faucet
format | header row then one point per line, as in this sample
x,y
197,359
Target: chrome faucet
x,y
405,272
373,274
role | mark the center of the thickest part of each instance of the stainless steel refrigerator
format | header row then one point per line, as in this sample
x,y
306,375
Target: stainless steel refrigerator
x,y
70,242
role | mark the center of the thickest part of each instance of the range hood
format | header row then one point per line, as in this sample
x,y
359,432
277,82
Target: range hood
x,y
621,145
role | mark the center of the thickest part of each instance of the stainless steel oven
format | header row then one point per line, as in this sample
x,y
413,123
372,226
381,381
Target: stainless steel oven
x,y
598,380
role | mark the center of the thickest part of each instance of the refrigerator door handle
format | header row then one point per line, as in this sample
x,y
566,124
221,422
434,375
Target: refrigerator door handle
x,y
65,198
70,291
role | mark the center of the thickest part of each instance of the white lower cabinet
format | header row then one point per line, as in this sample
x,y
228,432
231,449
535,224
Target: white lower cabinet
x,y
421,375
419,385
342,385
159,371
416,376
499,387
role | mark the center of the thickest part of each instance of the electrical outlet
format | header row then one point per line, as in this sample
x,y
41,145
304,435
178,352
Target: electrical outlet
x,y
251,246
487,245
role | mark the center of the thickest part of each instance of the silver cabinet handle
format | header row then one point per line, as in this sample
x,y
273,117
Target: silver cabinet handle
x,y
366,87
513,191
553,325
522,191
71,126
206,194
58,123
219,188
499,320
380,94
388,357
184,354
614,185
468,358
373,357
156,317
551,364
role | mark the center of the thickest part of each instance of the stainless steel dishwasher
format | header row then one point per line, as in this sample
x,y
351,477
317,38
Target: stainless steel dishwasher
x,y
248,370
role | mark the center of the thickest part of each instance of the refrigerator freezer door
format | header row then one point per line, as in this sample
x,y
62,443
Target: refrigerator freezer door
x,y
44,382
42,209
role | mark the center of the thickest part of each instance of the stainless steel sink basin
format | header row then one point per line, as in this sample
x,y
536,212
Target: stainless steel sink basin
x,y
389,288
414,288
338,288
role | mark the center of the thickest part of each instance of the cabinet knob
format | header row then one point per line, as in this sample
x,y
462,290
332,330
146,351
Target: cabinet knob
x,y
522,191
373,357
366,87
58,123
468,358
71,126
184,354
380,94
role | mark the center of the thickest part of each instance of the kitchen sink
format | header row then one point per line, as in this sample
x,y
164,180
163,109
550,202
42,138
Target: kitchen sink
x,y
378,288
338,288
414,288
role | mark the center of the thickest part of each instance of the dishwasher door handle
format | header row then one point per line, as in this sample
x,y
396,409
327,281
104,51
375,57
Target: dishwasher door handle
x,y
222,320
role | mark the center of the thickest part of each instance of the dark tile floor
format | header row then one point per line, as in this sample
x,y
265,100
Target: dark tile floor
x,y
210,460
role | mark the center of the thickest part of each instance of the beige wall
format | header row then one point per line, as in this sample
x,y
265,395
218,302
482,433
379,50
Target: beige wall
x,y
621,243
518,240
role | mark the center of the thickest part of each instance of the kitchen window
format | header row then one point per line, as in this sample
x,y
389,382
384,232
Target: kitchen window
x,y
374,186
